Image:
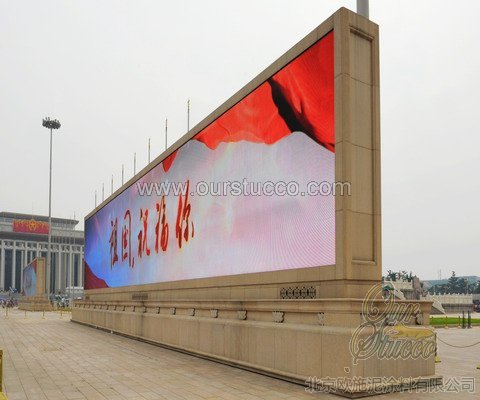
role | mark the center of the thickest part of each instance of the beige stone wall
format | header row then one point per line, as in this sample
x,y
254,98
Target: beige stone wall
x,y
41,266
292,339
357,132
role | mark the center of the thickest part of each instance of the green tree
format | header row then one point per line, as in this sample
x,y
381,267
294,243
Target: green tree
x,y
391,276
463,286
454,283
477,288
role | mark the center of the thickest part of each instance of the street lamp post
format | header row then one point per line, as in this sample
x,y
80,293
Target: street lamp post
x,y
49,124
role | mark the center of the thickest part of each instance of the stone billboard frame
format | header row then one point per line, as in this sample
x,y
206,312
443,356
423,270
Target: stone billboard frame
x,y
297,323
357,160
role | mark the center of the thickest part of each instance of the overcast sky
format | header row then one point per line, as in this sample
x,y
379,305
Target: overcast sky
x,y
112,71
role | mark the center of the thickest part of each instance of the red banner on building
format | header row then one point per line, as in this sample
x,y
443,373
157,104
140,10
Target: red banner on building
x,y
30,226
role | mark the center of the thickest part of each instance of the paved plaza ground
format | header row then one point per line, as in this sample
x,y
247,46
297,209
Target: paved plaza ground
x,y
53,358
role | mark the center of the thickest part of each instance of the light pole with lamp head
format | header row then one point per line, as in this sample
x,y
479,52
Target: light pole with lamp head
x,y
49,124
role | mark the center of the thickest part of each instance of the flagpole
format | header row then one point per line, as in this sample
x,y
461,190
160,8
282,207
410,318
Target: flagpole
x,y
188,115
166,133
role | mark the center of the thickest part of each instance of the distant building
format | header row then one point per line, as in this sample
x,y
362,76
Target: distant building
x,y
405,289
436,282
442,303
452,303
24,237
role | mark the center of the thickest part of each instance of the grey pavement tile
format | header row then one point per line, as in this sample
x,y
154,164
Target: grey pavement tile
x,y
55,359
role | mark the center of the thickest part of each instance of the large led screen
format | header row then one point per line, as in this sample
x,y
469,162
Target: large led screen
x,y
248,193
29,283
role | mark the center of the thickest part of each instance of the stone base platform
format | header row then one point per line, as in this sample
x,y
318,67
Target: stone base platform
x,y
34,304
307,341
